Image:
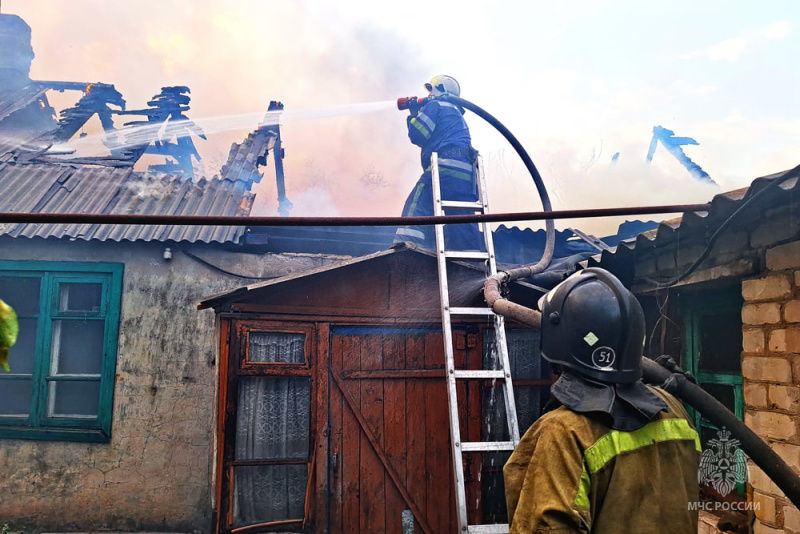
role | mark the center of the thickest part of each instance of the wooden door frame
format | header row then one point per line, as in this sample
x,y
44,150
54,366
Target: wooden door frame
x,y
232,352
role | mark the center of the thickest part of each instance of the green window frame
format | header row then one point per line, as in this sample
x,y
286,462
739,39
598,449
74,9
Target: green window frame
x,y
61,383
713,327
702,308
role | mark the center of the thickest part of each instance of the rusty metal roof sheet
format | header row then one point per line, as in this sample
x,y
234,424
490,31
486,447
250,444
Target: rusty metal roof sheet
x,y
669,231
43,188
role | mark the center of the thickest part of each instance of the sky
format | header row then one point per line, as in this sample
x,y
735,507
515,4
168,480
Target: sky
x,y
575,82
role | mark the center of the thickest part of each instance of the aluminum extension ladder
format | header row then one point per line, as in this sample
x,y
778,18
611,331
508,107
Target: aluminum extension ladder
x,y
501,374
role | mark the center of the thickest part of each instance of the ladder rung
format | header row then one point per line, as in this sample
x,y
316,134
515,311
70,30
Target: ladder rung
x,y
466,254
499,528
471,311
479,373
487,446
458,447
462,204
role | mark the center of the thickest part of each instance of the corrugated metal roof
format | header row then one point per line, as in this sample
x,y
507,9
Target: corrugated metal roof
x,y
42,188
24,97
721,207
242,159
32,182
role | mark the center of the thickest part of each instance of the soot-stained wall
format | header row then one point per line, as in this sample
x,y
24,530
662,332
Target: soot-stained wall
x,y
156,471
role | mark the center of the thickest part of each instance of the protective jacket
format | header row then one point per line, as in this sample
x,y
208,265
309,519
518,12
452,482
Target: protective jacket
x,y
440,127
572,473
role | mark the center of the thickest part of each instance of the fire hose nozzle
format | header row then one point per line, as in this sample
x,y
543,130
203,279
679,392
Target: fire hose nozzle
x,y
411,103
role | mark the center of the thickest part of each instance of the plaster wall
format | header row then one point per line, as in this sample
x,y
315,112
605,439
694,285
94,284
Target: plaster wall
x,y
156,472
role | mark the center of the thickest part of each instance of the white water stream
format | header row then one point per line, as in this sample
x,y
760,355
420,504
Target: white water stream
x,y
92,145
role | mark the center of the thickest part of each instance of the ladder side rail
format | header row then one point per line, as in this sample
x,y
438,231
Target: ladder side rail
x,y
447,334
487,229
501,344
458,448
501,341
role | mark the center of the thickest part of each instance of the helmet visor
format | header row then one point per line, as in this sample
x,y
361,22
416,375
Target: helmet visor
x,y
428,87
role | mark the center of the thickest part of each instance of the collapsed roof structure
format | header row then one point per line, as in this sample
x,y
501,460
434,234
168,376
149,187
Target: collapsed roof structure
x,y
41,174
757,265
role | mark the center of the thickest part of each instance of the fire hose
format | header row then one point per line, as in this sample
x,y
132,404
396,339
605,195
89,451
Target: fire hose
x,y
653,373
413,103
681,387
492,286
762,454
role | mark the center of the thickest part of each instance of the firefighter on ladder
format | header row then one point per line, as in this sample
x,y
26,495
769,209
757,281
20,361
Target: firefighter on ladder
x,y
439,126
612,455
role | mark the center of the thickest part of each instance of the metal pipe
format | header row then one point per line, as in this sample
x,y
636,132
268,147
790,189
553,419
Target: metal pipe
x,y
519,313
218,220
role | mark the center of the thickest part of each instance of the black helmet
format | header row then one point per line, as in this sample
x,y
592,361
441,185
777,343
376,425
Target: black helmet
x,y
592,325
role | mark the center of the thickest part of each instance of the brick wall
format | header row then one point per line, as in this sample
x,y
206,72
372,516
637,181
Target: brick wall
x,y
771,372
762,250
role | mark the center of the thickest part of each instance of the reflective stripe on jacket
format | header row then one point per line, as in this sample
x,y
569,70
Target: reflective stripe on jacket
x,y
455,169
438,125
571,473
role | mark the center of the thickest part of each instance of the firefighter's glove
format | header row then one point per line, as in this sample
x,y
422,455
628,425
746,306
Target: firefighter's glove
x,y
674,384
668,362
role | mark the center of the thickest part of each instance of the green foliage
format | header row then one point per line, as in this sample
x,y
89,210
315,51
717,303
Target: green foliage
x,y
9,328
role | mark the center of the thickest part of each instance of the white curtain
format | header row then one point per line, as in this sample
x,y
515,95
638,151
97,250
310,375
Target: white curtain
x,y
274,347
272,423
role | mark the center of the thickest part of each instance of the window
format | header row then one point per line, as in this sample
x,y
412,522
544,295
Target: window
x,y
713,341
61,383
713,330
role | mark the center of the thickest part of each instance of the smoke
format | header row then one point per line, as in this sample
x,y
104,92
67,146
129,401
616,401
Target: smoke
x,y
152,188
589,179
315,201
235,58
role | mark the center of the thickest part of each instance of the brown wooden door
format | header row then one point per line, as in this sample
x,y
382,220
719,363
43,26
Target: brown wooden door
x,y
389,440
267,428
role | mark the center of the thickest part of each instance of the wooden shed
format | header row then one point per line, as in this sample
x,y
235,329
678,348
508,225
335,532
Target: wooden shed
x,y
333,404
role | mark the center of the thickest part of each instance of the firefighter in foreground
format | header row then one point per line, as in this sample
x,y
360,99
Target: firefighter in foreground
x,y
612,455
436,125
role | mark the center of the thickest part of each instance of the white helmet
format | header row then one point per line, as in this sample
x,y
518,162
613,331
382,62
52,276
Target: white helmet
x,y
443,85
